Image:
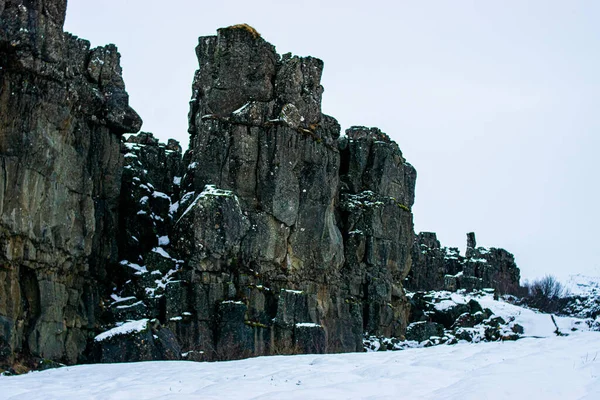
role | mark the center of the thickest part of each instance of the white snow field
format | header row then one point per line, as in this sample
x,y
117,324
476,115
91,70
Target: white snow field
x,y
549,367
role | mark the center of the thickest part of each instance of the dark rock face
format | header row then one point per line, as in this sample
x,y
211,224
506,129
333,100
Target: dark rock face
x,y
377,192
145,281
63,107
440,268
277,201
270,235
151,178
144,343
283,238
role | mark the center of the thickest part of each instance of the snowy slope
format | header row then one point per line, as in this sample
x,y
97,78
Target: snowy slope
x,y
550,367
583,298
583,285
535,324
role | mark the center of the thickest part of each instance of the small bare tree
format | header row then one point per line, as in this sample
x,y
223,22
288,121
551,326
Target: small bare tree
x,y
545,293
548,287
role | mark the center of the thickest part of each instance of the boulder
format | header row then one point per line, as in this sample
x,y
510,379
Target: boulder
x,y
421,331
136,341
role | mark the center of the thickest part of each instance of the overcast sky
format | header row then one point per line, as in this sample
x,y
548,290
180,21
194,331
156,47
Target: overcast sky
x,y
495,103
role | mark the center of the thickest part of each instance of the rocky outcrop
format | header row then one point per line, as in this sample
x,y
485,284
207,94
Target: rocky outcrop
x,y
301,212
63,108
272,234
279,236
441,268
144,285
377,193
151,178
439,317
442,317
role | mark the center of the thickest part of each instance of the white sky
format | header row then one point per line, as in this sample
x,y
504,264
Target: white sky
x,y
494,103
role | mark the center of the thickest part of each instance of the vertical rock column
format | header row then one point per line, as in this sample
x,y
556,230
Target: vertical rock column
x,y
266,237
63,108
262,185
377,194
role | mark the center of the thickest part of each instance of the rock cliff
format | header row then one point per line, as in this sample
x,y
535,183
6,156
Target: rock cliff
x,y
271,234
63,108
441,268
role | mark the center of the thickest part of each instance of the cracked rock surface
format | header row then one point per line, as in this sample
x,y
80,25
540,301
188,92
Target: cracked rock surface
x,y
272,234
283,237
63,108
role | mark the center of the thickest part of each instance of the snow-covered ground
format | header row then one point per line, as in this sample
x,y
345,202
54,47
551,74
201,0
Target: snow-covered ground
x,y
549,367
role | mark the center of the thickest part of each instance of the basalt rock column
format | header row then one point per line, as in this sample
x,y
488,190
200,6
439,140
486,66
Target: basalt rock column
x,y
261,222
377,194
63,107
262,186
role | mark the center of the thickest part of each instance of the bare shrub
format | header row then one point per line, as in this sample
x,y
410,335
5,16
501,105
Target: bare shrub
x,y
548,287
545,293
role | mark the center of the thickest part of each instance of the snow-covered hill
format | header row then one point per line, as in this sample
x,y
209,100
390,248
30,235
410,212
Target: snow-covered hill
x,y
535,324
583,296
583,285
549,367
